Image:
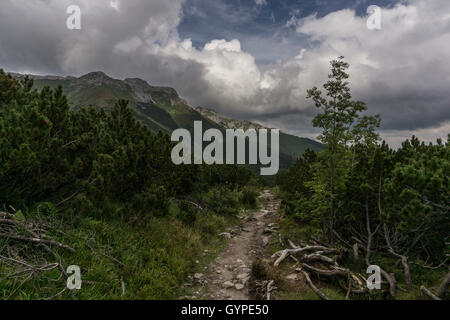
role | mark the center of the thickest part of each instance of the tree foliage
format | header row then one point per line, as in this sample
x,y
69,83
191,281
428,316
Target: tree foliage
x,y
86,160
359,188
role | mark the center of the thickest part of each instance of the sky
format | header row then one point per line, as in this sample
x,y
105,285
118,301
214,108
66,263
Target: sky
x,y
250,59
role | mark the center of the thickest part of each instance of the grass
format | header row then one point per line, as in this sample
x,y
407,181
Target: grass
x,y
153,256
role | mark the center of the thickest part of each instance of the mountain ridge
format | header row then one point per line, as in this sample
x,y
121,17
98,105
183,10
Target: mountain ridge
x,y
160,108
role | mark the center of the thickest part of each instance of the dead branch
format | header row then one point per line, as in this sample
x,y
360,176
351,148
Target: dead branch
x,y
429,293
313,287
270,288
391,280
402,258
123,286
6,215
57,295
444,285
284,253
192,203
431,267
318,257
37,241
326,273
67,199
292,244
280,240
7,221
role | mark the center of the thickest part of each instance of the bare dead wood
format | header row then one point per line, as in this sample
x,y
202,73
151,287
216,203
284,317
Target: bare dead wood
x,y
122,282
55,255
67,199
283,256
318,257
7,221
432,267
6,215
326,273
70,143
284,253
313,287
349,287
370,234
320,242
34,269
192,203
280,240
57,295
292,244
444,285
429,293
356,258
403,259
270,288
341,240
391,280
37,241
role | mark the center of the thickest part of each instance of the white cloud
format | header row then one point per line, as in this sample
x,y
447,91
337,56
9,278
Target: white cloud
x,y
402,71
114,4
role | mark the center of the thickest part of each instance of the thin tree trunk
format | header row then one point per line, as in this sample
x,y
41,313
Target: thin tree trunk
x,y
356,258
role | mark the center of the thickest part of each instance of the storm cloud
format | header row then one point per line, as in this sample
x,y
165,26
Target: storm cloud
x,y
402,71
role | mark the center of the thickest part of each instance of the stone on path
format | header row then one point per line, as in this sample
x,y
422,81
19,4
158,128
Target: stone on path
x,y
239,286
198,276
226,235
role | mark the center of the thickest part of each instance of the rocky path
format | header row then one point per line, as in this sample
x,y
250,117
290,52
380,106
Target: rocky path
x,y
230,272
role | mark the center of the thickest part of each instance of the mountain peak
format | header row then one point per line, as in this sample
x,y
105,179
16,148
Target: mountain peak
x,y
227,122
137,81
97,75
98,79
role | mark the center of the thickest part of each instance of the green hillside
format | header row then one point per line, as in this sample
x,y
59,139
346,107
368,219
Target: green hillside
x,y
160,108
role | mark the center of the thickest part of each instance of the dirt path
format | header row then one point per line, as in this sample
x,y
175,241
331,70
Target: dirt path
x,y
230,272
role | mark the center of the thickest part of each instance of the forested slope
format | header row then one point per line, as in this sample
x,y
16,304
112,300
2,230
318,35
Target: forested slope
x,y
381,206
98,190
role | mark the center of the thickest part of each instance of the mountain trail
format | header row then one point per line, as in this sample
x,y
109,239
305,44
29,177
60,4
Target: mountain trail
x,y
230,272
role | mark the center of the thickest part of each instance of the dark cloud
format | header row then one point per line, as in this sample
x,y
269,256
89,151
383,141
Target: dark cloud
x,y
243,59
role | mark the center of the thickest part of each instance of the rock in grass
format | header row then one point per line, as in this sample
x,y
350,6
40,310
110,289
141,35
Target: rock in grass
x,y
292,276
198,276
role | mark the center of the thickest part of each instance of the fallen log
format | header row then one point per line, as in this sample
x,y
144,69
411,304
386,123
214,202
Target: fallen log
x,y
326,273
429,293
313,287
284,253
318,257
